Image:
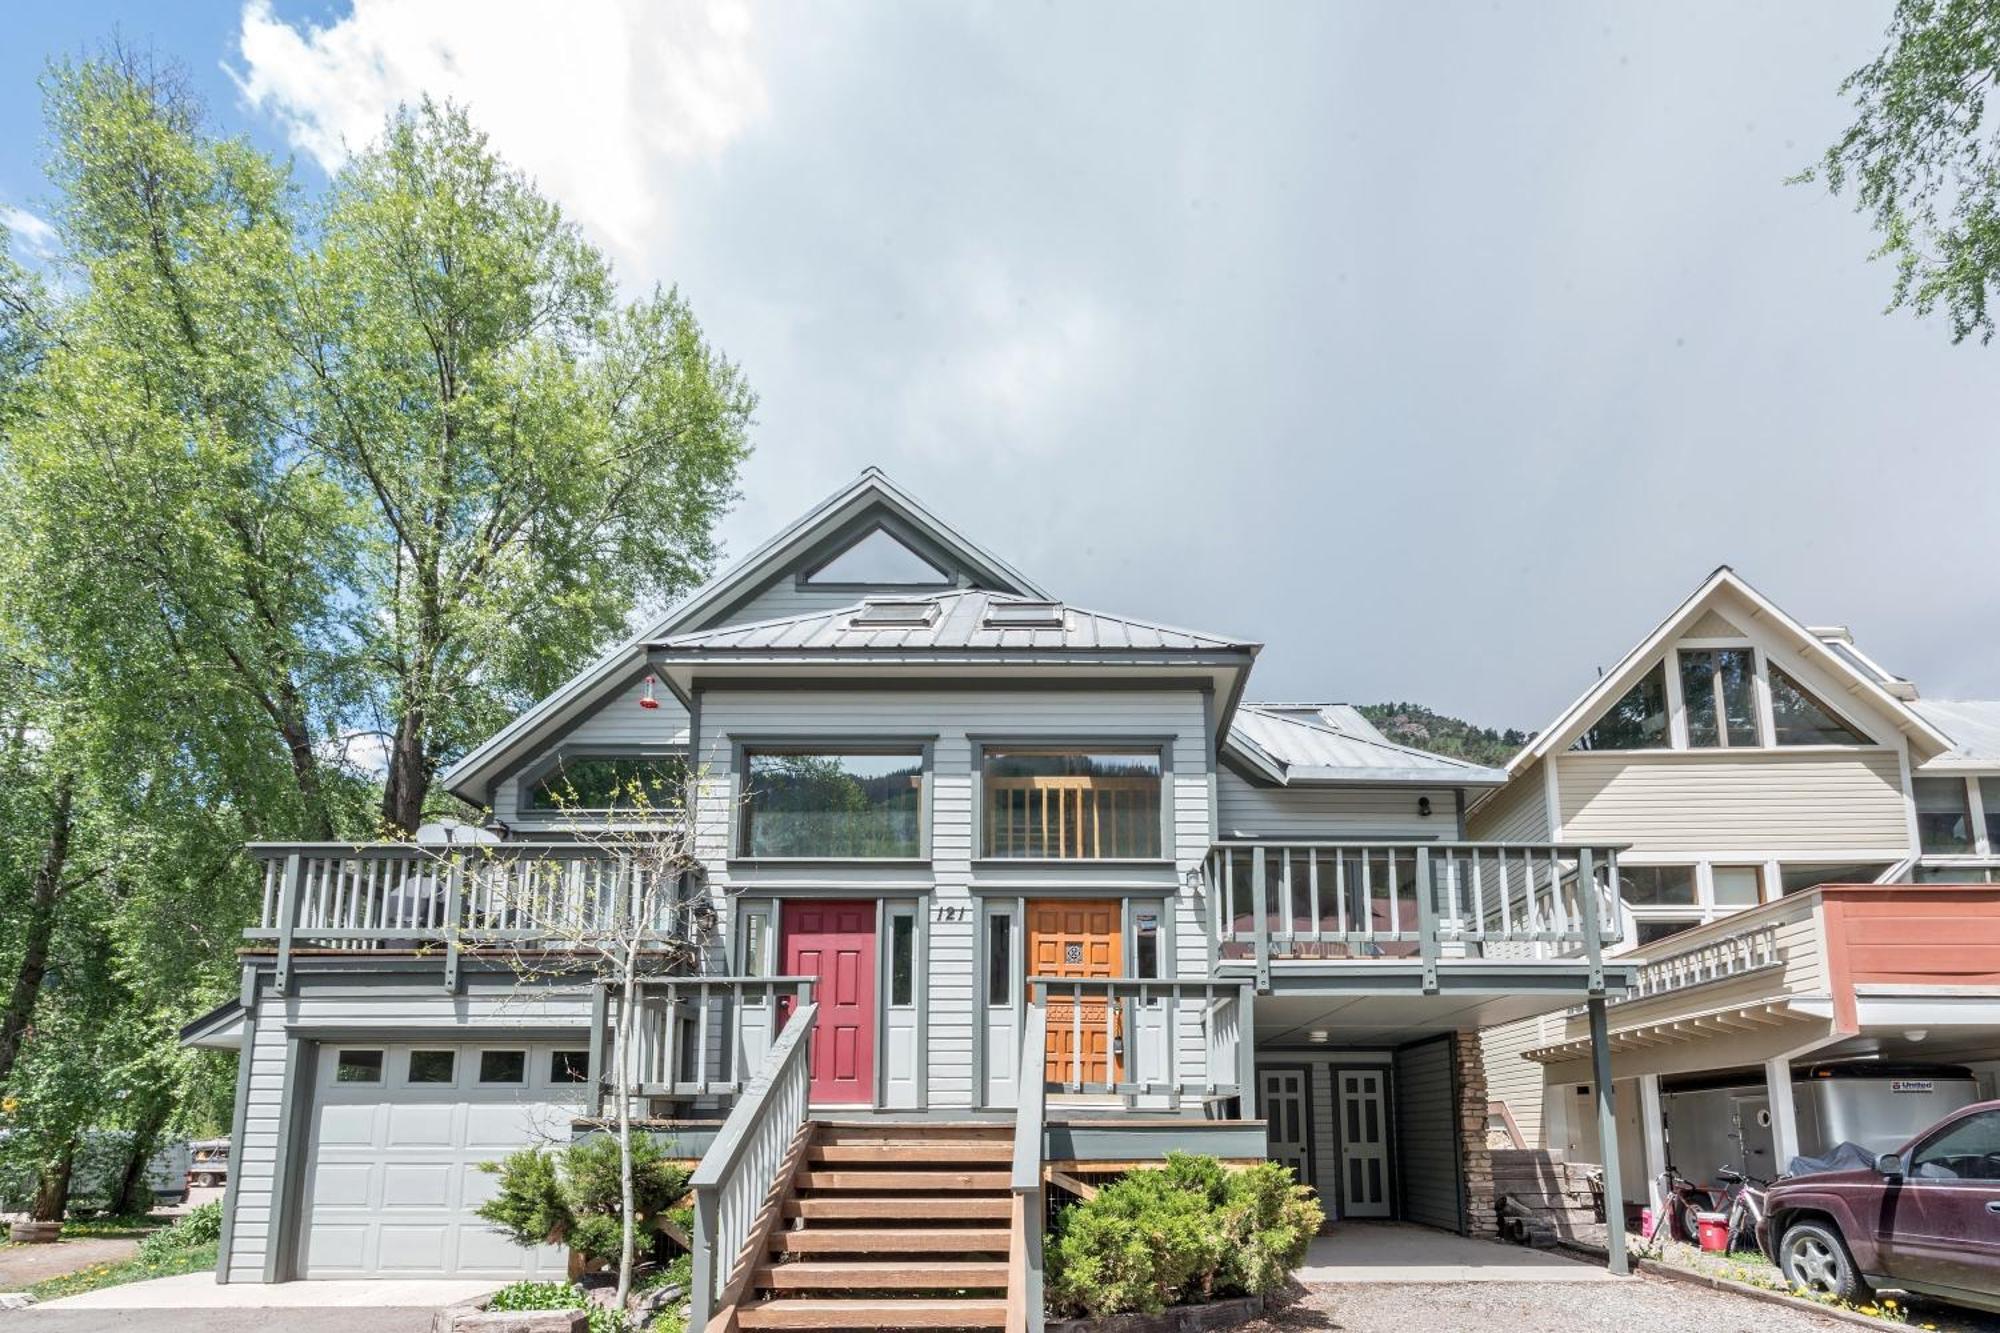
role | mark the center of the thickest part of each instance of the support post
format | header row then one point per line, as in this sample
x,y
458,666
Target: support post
x,y
1653,1132
598,1017
1607,1136
1427,921
288,914
1260,894
1246,1052
454,921
1593,941
1784,1112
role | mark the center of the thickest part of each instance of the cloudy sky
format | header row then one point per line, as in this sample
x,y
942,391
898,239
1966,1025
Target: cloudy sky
x,y
1441,350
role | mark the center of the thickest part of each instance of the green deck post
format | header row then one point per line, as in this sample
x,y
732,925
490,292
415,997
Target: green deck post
x,y
288,911
1607,1136
1260,893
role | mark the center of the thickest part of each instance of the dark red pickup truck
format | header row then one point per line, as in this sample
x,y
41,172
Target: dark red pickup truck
x,y
1926,1219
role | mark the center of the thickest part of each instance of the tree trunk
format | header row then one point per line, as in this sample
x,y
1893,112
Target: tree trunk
x,y
43,894
135,1192
407,783
52,1190
305,772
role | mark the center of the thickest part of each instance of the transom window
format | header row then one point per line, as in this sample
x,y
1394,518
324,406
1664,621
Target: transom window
x,y
862,802
1059,803
603,782
1797,878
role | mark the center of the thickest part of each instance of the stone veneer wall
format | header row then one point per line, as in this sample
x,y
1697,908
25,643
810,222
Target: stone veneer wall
x,y
1476,1157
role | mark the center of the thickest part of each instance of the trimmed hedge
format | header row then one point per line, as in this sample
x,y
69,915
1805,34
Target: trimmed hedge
x,y
1184,1233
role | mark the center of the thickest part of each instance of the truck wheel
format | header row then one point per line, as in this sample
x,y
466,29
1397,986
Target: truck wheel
x,y
205,1179
1812,1255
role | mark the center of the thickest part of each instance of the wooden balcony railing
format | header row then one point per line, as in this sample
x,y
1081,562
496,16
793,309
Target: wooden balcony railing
x,y
1173,1039
1428,901
404,896
692,1037
1072,817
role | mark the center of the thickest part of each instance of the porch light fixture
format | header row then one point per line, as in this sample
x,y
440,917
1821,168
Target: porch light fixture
x,y
1916,1034
1424,806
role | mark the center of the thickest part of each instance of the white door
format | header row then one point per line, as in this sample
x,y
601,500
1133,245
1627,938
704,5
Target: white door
x,y
1362,1109
398,1134
1283,1096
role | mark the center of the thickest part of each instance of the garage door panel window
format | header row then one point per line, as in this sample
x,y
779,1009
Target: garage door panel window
x,y
503,1067
433,1066
569,1066
358,1067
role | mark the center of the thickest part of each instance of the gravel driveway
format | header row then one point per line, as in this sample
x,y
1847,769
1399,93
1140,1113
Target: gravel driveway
x,y
1506,1307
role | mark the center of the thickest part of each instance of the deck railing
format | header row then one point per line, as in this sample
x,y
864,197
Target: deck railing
x,y
410,896
1750,949
1028,1208
1326,900
692,1036
737,1185
1172,1039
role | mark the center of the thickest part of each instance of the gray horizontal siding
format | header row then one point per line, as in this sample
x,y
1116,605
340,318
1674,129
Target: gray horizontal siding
x,y
1331,812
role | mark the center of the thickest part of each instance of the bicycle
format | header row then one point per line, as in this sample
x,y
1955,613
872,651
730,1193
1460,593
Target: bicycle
x,y
1682,1203
1743,1200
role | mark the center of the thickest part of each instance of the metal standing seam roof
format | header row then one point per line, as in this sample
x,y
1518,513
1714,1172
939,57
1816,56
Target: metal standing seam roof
x,y
1973,726
1322,744
960,624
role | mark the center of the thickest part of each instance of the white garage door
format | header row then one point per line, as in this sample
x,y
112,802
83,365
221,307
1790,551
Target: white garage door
x,y
398,1133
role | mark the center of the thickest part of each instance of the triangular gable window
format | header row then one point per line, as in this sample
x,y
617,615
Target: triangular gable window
x,y
1797,718
1638,721
878,560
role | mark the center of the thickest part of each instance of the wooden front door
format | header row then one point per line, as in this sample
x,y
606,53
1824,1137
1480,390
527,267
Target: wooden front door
x,y
1078,939
834,943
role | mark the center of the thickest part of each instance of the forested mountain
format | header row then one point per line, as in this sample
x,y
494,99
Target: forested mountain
x,y
1417,726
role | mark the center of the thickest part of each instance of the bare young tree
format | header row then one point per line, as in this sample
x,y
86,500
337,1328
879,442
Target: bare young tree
x,y
627,904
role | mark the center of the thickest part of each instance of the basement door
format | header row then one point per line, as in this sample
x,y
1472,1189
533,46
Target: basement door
x,y
1361,1110
1078,939
834,943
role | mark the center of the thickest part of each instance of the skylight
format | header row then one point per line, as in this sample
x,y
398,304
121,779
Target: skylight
x,y
1015,614
903,613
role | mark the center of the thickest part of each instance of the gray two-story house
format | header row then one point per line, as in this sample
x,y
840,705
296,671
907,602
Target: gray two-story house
x,y
996,895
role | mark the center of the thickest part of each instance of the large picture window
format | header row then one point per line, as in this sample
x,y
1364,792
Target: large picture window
x,y
602,782
833,803
1071,804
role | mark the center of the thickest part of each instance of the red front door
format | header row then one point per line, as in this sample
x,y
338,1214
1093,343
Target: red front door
x,y
834,943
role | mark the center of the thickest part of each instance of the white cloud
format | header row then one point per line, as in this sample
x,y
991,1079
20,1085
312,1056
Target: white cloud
x,y
36,234
598,100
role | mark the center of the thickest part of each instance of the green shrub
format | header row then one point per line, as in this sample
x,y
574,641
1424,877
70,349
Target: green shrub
x,y
538,1296
1189,1231
571,1196
200,1225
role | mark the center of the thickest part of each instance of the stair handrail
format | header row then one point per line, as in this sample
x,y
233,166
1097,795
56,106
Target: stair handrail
x,y
737,1177
1024,1248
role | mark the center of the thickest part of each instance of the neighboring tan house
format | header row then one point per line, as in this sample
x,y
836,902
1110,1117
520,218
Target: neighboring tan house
x,y
999,893
1797,832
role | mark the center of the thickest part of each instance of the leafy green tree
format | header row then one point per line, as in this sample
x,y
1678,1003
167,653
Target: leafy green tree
x,y
533,455
1922,162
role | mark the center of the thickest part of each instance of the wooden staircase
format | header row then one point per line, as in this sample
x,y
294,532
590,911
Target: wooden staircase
x,y
887,1226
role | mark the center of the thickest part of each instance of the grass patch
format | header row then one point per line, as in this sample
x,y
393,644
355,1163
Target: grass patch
x,y
100,1228
199,1258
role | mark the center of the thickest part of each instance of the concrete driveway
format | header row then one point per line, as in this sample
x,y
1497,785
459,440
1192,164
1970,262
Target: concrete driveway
x,y
384,1306
1396,1252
